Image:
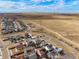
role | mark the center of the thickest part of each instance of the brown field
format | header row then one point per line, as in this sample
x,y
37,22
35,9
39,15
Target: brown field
x,y
67,26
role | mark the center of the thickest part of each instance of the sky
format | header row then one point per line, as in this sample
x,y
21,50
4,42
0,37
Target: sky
x,y
50,6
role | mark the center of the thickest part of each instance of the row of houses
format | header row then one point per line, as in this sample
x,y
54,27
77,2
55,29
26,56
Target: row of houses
x,y
12,25
34,48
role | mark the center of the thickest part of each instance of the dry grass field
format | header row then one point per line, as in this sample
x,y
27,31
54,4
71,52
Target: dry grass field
x,y
66,25
67,28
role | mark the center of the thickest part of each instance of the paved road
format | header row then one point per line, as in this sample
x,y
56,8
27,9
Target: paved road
x,y
4,50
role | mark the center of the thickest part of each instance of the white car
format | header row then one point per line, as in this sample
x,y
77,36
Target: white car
x,y
0,53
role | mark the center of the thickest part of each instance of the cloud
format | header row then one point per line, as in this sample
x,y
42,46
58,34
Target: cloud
x,y
41,0
9,4
37,0
38,6
18,5
5,4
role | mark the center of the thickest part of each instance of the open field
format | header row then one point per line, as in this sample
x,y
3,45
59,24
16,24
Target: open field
x,y
67,28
